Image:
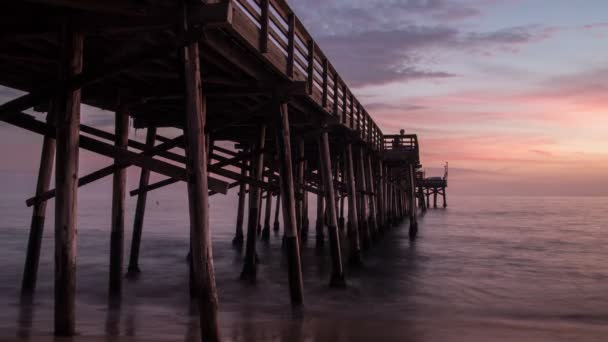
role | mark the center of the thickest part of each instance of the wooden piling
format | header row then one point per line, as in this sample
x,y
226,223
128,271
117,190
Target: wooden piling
x,y
353,217
268,211
413,231
289,211
259,206
66,109
305,219
299,187
238,235
435,198
320,222
140,209
198,193
341,219
45,171
119,183
364,230
337,276
381,187
373,224
249,272
276,226
445,203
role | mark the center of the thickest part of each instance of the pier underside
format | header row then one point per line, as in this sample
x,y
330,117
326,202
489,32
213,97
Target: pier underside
x,y
256,105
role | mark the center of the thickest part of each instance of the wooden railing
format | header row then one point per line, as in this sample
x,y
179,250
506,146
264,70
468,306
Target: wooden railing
x,y
271,27
403,142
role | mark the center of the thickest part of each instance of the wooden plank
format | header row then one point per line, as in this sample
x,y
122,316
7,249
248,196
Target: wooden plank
x,y
311,65
265,23
291,45
325,82
336,96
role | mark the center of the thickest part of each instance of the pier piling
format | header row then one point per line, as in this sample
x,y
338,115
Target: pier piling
x,y
140,209
240,211
249,272
260,77
66,111
34,244
268,211
337,276
289,211
353,217
119,183
198,193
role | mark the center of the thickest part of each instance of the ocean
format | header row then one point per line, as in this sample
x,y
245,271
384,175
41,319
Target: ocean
x,y
484,269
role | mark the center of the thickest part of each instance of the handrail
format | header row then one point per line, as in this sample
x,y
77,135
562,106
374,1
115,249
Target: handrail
x,y
400,142
280,30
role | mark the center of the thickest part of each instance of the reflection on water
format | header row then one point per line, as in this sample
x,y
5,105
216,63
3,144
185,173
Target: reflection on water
x,y
506,269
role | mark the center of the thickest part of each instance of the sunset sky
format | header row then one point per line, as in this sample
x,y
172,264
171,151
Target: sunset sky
x,y
513,93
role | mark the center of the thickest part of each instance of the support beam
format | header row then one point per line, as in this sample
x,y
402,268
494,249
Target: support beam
x,y
276,212
413,232
445,202
305,220
211,14
140,209
119,183
66,107
91,177
340,167
320,222
238,235
299,188
363,203
268,211
381,196
126,157
353,217
198,194
289,212
45,171
373,224
337,276
249,272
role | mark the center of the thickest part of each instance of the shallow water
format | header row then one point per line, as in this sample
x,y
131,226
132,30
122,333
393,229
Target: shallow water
x,y
486,268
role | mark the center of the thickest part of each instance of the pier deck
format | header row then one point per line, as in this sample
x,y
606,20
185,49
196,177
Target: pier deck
x,y
260,106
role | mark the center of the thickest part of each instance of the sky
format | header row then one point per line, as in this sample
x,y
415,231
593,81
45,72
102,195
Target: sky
x,y
512,93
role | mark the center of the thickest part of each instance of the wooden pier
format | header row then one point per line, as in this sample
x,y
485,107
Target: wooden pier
x,y
260,107
432,186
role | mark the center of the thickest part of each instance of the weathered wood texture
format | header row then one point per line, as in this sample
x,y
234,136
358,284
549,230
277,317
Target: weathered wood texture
x,y
292,243
337,276
119,184
66,111
38,215
140,209
198,193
